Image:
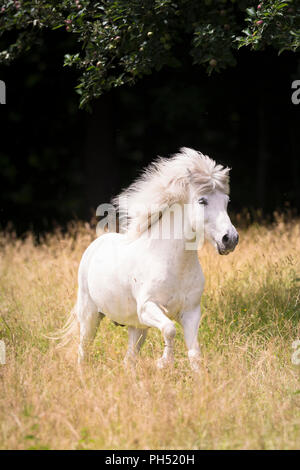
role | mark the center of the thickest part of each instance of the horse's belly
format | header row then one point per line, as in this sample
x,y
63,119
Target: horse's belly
x,y
113,299
120,308
109,286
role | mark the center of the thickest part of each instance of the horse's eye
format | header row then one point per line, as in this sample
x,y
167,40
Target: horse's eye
x,y
203,201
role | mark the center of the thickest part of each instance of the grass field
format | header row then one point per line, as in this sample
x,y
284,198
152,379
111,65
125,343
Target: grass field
x,y
249,398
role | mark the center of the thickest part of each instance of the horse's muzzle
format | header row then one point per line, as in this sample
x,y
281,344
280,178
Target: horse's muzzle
x,y
228,244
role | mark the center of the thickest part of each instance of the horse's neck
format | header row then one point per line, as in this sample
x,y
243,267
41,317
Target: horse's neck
x,y
165,244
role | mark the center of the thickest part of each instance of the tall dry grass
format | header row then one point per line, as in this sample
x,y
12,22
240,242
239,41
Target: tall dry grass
x,y
249,399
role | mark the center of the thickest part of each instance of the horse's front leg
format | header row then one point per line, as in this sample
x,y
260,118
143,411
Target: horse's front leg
x,y
136,338
190,322
151,315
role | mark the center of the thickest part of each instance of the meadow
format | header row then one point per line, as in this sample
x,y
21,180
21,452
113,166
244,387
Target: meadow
x,y
247,395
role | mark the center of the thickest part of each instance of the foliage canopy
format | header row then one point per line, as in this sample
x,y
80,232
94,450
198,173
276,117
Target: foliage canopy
x,y
119,41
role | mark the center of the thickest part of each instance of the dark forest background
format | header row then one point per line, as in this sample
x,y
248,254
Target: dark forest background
x,y
58,162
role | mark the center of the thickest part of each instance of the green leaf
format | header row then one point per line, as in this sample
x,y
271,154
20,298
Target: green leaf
x,y
251,11
247,31
282,6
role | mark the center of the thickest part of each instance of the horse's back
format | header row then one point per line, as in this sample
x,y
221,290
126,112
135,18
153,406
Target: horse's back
x,y
95,245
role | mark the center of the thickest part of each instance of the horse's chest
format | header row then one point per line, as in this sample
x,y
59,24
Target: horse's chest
x,y
175,291
184,296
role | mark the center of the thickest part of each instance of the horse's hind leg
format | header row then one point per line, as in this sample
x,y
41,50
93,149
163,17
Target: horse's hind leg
x,y
151,315
136,338
89,319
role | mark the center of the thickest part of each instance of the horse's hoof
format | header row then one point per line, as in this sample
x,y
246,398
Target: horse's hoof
x,y
81,360
129,362
195,366
163,363
198,366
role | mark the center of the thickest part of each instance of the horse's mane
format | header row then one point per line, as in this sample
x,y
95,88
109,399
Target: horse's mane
x,y
165,182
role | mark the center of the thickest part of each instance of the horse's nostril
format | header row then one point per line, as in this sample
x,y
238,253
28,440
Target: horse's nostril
x,y
225,239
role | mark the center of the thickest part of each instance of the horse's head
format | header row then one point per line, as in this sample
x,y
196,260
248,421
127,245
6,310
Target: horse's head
x,y
218,229
190,181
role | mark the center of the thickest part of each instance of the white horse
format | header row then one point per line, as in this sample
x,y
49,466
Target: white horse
x,y
142,279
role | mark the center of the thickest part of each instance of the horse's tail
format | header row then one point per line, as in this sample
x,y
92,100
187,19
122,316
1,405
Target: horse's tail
x,y
67,332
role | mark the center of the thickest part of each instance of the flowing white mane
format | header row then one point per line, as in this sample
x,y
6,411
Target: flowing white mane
x,y
165,182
